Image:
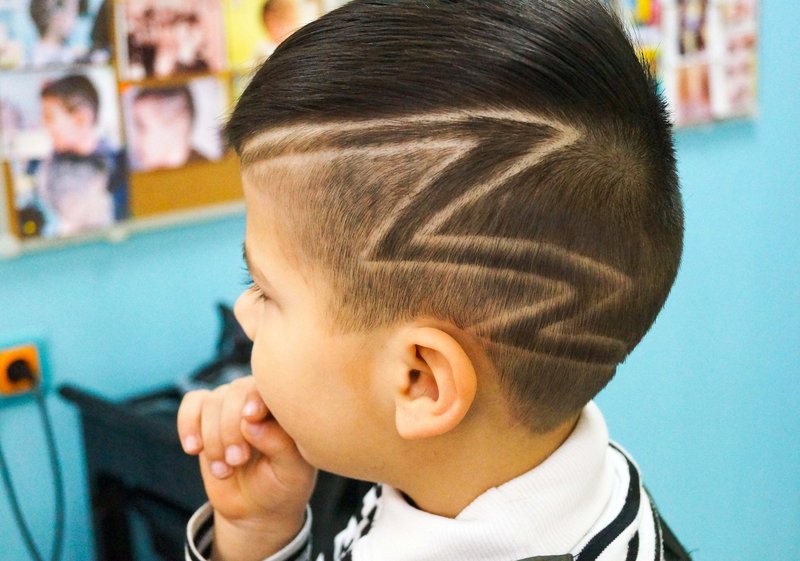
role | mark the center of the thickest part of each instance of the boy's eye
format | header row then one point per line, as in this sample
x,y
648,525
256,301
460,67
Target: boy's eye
x,y
253,287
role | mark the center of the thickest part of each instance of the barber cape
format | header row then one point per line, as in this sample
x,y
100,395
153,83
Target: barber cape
x,y
585,502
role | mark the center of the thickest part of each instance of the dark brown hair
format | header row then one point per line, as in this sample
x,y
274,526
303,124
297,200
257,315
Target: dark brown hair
x,y
75,90
505,166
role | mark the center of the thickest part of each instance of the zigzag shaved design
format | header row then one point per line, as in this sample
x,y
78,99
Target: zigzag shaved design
x,y
307,139
414,234
552,314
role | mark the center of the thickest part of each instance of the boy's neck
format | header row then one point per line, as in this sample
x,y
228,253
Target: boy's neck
x,y
445,482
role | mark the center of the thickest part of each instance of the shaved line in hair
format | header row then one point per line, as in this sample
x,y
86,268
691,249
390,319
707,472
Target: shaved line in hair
x,y
392,246
307,138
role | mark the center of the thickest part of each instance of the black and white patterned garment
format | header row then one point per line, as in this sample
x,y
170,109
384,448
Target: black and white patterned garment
x,y
586,502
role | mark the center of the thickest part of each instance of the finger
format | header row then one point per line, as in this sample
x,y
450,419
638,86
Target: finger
x,y
213,448
284,463
236,449
269,438
254,407
189,421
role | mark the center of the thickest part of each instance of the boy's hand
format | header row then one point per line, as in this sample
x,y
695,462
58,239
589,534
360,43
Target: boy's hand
x,y
255,479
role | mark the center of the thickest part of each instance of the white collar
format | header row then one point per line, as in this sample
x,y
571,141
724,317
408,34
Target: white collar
x,y
546,511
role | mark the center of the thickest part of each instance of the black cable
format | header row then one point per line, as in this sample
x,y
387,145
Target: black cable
x,y
55,468
12,497
58,537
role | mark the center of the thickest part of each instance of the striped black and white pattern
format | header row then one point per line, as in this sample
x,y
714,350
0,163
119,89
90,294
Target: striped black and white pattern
x,y
633,534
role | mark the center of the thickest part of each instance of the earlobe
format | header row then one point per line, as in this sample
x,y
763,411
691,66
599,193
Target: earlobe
x,y
437,387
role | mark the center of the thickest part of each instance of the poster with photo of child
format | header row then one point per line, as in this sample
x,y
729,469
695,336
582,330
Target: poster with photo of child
x,y
47,33
256,27
61,136
171,126
166,38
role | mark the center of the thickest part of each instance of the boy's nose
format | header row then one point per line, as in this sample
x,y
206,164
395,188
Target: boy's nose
x,y
244,310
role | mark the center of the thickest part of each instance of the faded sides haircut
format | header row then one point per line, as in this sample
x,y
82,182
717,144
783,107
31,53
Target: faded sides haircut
x,y
506,166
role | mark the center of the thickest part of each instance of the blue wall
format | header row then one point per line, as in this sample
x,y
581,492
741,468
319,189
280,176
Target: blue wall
x,y
708,404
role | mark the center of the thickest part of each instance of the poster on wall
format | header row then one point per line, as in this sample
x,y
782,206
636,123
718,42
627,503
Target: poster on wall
x,y
256,27
704,53
44,33
65,100
61,138
734,42
645,18
687,62
171,126
165,38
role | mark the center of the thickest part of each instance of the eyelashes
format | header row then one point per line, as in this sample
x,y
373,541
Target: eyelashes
x,y
247,278
250,285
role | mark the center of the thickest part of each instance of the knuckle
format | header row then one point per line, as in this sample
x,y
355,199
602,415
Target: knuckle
x,y
190,406
242,383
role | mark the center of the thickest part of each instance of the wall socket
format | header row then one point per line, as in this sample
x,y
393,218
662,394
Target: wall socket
x,y
20,369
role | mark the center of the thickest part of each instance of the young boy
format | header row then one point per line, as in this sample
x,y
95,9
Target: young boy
x,y
461,217
163,122
84,181
55,21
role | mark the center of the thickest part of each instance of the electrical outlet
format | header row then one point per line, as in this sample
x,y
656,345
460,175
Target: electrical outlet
x,y
20,369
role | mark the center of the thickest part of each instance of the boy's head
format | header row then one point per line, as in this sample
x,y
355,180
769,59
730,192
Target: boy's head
x,y
70,107
461,186
163,121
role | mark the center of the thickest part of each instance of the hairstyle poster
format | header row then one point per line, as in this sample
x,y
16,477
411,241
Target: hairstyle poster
x,y
45,33
704,53
62,140
256,27
164,38
171,126
645,17
734,57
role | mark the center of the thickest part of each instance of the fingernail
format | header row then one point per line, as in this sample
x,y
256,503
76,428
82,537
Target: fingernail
x,y
251,408
220,469
234,455
191,444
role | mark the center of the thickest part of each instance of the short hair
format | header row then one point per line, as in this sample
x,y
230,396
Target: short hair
x,y
172,92
506,166
74,91
41,12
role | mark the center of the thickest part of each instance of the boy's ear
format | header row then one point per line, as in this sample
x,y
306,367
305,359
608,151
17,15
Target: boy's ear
x,y
436,384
